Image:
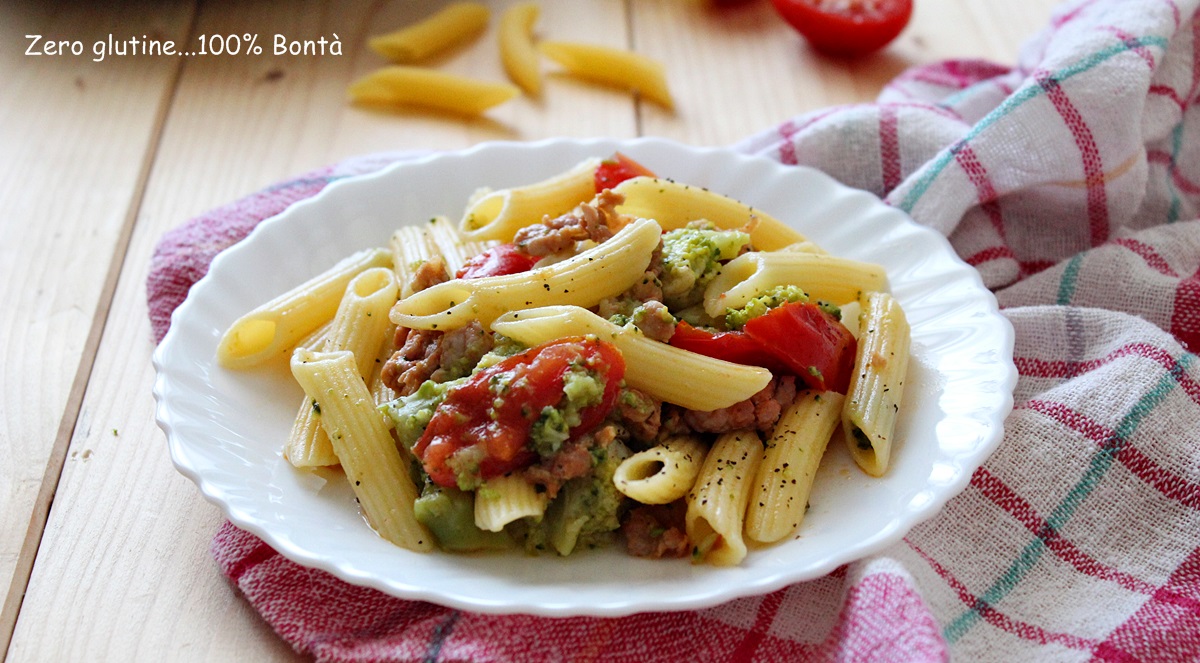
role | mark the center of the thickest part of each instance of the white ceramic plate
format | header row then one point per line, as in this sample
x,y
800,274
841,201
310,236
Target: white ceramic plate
x,y
226,428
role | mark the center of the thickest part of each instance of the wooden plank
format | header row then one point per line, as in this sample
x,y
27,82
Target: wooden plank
x,y
76,135
736,68
124,560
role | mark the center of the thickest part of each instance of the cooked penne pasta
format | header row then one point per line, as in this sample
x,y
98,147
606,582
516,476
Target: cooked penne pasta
x,y
517,50
603,271
365,448
275,327
684,378
500,214
455,24
716,505
400,86
513,395
877,384
822,277
675,205
505,499
784,481
454,249
664,473
360,327
614,67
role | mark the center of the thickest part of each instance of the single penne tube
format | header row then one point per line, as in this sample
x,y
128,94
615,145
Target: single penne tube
x,y
822,277
456,24
455,249
500,214
877,384
517,50
364,445
716,505
400,86
278,325
675,205
663,473
410,247
667,373
502,500
613,67
380,391
602,271
779,498
360,327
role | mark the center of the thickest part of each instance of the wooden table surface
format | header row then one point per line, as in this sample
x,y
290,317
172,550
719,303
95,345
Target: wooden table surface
x,y
104,548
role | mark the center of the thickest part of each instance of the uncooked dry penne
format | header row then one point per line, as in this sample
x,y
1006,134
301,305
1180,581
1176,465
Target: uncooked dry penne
x,y
614,67
663,473
401,86
716,505
502,500
275,327
457,23
675,205
784,481
517,50
360,327
684,378
822,277
585,279
364,446
500,214
877,384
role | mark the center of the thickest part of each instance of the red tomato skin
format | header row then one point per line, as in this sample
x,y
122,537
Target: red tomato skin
x,y
465,418
816,346
617,169
849,32
794,339
730,346
497,261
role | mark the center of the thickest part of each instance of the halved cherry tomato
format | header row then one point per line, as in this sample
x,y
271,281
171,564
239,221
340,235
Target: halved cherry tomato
x,y
794,339
489,417
619,168
846,27
497,261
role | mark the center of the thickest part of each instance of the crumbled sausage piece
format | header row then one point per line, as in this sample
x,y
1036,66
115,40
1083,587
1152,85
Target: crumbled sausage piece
x,y
656,531
559,234
574,459
761,411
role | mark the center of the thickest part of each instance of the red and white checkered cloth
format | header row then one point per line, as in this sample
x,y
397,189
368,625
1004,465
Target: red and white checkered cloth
x,y
1071,182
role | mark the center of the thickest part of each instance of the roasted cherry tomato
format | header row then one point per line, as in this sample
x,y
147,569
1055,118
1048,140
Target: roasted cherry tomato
x,y
816,346
794,339
497,261
481,430
730,346
619,168
846,27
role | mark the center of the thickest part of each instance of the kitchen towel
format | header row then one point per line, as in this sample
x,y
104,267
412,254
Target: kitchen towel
x,y
1071,181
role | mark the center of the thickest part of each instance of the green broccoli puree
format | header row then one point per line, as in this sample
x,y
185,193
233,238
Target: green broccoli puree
x,y
736,318
586,508
581,388
691,258
411,414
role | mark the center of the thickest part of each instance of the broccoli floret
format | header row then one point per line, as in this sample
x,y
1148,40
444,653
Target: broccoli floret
x,y
736,318
691,258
